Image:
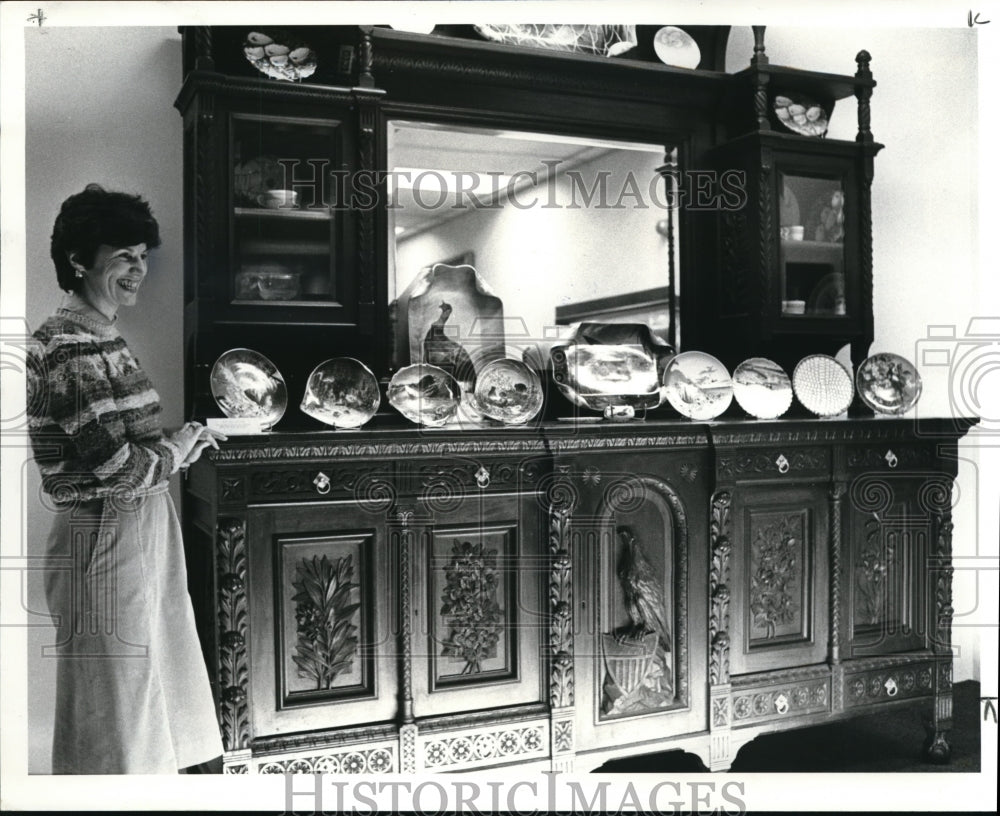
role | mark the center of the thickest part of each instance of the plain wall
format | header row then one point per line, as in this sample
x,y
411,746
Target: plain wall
x,y
99,108
111,119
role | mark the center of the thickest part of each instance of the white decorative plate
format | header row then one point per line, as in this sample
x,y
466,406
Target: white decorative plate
x,y
341,392
698,385
247,385
425,394
508,391
674,46
888,383
762,388
823,385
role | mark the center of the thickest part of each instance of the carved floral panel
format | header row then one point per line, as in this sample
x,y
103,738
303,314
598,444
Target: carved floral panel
x,y
326,617
777,574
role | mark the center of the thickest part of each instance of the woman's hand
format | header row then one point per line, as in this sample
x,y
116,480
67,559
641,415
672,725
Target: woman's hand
x,y
207,437
192,438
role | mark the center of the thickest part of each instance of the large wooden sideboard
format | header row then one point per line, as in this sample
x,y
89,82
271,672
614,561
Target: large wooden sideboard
x,y
398,599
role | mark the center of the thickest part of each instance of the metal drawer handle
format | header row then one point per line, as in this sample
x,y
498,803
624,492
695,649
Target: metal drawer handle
x,y
483,477
782,463
781,703
891,688
890,458
322,482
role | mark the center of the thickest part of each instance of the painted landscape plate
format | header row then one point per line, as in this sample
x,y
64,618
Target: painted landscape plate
x,y
509,391
888,383
698,385
762,388
247,385
823,385
425,394
341,392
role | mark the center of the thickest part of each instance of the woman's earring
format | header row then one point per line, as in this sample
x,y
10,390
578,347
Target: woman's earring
x,y
79,273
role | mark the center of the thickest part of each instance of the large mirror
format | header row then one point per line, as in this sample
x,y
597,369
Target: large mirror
x,y
560,229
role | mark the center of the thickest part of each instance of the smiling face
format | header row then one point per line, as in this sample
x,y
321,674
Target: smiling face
x,y
114,278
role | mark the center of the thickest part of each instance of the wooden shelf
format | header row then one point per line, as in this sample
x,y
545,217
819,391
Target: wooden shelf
x,y
289,213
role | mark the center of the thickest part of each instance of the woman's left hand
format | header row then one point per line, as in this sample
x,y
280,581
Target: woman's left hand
x,y
207,437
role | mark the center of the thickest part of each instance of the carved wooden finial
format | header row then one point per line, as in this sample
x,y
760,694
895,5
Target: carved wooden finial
x,y
203,49
759,57
864,60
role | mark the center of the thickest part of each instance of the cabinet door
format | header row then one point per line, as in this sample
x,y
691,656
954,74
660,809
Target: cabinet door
x,y
638,537
321,594
480,570
779,577
890,528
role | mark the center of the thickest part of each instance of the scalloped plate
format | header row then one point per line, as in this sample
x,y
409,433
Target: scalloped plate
x,y
342,392
823,385
245,384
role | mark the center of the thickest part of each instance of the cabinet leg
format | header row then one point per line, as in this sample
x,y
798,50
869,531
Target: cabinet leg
x,y
936,747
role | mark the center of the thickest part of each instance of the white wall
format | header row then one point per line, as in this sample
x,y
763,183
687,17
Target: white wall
x,y
99,108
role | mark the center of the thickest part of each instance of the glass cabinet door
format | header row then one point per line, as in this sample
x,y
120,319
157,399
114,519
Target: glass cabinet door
x,y
284,231
811,241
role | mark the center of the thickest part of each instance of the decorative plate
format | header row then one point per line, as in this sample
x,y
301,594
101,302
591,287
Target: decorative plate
x,y
341,392
823,385
509,391
674,46
425,394
282,56
762,388
802,116
698,385
245,384
888,383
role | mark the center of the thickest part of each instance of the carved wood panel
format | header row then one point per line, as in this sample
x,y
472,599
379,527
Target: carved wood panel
x,y
780,564
891,524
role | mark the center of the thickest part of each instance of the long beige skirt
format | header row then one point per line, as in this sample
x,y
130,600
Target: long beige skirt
x,y
132,691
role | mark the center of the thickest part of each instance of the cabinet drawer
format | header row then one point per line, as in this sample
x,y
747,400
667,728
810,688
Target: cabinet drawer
x,y
362,482
885,457
773,463
467,476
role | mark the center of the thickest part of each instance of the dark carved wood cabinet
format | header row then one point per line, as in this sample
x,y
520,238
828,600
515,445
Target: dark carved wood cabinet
x,y
407,602
405,599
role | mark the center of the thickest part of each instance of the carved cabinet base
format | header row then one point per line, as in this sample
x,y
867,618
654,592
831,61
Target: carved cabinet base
x,y
405,603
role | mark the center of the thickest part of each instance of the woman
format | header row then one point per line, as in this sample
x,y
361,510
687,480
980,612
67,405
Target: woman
x,y
132,691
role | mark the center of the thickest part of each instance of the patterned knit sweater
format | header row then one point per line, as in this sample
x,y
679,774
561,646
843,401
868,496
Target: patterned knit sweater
x,y
93,415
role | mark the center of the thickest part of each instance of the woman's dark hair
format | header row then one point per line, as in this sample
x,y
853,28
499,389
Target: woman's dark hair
x,y
94,217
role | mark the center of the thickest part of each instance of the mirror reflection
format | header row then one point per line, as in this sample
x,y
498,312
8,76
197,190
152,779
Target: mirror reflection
x,y
561,229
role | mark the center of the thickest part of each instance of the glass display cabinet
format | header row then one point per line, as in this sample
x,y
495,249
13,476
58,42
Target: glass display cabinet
x,y
395,598
794,270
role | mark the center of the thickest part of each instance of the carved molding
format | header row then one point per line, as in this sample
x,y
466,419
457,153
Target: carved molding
x,y
905,456
366,215
944,611
837,492
323,741
736,246
765,462
778,703
718,619
877,685
874,565
378,450
204,83
562,736
486,746
401,537
800,674
233,670
561,674
408,749
767,231
377,760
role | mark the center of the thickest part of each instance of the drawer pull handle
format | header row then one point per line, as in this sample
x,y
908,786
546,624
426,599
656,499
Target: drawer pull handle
x,y
890,458
782,463
891,688
322,482
483,477
781,704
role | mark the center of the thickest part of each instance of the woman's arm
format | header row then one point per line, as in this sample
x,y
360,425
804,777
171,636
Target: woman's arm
x,y
81,402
